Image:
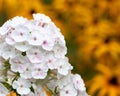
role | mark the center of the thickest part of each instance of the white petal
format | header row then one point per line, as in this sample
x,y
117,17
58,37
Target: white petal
x,y
15,85
36,38
20,34
48,43
7,51
19,63
22,46
10,40
16,21
23,91
39,75
35,55
63,66
68,91
27,74
78,82
40,69
41,17
60,51
3,90
5,28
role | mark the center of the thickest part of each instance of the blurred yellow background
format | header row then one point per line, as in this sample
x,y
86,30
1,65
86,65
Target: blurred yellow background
x,y
92,33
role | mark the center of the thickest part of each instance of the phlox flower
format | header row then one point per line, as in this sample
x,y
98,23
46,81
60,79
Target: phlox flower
x,y
33,61
35,54
36,38
18,21
82,93
41,19
7,51
19,63
59,40
47,43
5,28
3,90
78,82
27,74
9,40
60,51
39,71
63,66
68,90
30,94
22,46
20,33
50,60
22,86
63,80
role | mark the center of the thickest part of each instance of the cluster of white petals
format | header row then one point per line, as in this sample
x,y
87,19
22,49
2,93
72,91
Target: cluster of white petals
x,y
32,56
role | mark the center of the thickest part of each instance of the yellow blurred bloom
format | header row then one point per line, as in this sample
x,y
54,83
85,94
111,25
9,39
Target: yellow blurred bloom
x,y
65,5
1,5
23,7
97,40
107,83
80,19
113,7
12,93
59,5
96,6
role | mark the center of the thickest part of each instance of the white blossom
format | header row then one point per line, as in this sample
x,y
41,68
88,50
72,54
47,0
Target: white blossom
x,y
30,94
63,80
27,74
9,40
82,93
36,37
50,60
20,33
60,51
3,90
6,27
35,54
19,63
32,58
39,71
68,90
41,19
18,21
59,40
78,82
22,46
7,51
22,86
52,30
47,43
63,66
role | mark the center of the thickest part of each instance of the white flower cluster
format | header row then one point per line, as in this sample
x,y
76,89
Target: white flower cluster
x,y
32,55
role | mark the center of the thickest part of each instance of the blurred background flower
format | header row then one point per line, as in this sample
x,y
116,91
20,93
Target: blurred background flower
x,y
106,83
92,32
